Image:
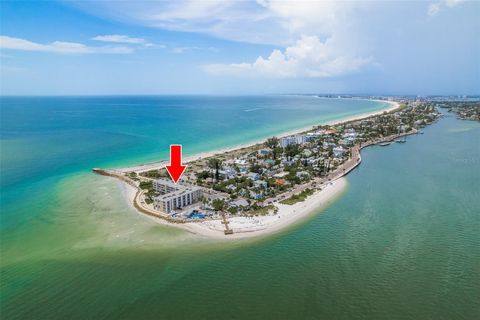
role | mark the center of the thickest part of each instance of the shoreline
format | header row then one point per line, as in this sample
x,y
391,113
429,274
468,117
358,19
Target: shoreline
x,y
250,227
287,216
160,164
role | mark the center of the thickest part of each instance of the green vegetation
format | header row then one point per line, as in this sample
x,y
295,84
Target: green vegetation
x,y
215,164
204,175
150,193
256,210
146,185
273,144
155,174
218,205
298,197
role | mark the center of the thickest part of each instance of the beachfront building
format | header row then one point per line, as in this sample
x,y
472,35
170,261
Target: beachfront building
x,y
164,186
297,139
174,196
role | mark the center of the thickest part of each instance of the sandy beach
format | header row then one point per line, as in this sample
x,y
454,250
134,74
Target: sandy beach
x,y
248,227
286,217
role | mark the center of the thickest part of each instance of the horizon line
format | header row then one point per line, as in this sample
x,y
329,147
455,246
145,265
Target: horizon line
x,y
475,95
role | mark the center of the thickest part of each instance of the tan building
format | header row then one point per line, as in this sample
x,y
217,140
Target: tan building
x,y
174,196
165,186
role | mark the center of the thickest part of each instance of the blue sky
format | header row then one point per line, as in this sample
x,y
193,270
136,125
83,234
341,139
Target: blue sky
x,y
239,47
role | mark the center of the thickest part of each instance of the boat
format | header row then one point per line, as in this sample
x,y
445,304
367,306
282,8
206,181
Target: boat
x,y
400,141
383,144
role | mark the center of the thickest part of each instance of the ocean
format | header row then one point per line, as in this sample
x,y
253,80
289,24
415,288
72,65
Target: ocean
x,y
401,243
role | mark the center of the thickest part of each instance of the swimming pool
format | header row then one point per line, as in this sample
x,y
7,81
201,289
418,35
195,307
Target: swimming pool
x,y
196,215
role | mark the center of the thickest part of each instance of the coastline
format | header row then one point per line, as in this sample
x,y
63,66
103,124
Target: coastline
x,y
248,227
286,217
160,164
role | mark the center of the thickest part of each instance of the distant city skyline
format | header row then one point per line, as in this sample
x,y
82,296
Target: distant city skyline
x,y
239,47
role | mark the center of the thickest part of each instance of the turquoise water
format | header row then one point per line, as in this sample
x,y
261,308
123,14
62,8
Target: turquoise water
x,y
45,139
401,243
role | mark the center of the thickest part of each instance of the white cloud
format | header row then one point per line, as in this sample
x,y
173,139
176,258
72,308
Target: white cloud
x,y
453,3
282,23
273,22
119,38
309,57
12,43
262,21
435,7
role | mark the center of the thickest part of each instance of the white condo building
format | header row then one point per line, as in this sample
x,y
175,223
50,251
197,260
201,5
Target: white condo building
x,y
174,196
297,139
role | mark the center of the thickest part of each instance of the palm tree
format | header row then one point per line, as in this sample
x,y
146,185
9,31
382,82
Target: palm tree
x,y
215,164
272,143
330,152
218,205
292,150
328,164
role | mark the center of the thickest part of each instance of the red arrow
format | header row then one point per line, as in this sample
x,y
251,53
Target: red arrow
x,y
175,169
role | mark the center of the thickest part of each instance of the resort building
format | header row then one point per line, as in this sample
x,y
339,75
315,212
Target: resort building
x,y
164,186
174,196
298,139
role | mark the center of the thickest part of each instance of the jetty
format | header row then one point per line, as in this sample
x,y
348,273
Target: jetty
x,y
225,222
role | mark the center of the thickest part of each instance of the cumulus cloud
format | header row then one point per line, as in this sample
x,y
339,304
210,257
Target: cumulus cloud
x,y
309,57
12,43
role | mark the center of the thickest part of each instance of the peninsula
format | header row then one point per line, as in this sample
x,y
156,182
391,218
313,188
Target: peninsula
x,y
267,186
